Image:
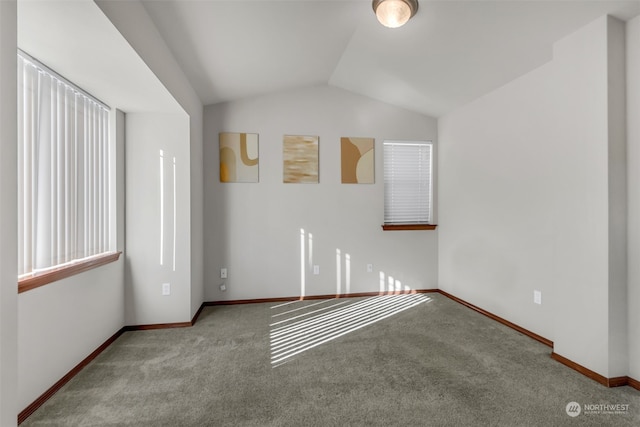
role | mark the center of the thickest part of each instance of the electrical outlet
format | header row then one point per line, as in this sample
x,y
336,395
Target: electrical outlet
x,y
223,273
166,289
316,269
223,287
369,268
537,297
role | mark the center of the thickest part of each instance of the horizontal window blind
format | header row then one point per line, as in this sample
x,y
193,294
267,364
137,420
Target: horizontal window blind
x,y
64,173
407,182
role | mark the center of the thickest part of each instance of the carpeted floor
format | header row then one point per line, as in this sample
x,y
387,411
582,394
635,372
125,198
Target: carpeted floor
x,y
417,360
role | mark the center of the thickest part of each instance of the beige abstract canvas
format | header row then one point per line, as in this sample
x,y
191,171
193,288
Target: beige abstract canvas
x,y
238,157
357,160
300,159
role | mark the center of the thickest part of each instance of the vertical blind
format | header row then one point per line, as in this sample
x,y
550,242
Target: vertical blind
x,y
63,171
407,182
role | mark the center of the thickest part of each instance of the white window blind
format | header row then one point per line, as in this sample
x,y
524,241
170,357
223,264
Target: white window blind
x,y
63,171
407,182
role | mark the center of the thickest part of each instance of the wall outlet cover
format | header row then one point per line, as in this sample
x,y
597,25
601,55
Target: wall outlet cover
x,y
537,297
166,289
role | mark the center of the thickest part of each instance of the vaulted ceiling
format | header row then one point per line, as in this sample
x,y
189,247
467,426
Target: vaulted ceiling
x,y
450,53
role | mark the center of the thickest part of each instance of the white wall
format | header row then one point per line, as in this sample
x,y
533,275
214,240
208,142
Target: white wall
x,y
66,321
524,200
146,135
617,182
134,23
8,215
633,169
254,229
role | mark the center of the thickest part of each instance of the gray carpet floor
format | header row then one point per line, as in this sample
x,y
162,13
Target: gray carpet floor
x,y
420,360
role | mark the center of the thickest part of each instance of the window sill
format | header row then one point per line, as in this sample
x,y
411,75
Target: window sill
x,y
404,227
40,279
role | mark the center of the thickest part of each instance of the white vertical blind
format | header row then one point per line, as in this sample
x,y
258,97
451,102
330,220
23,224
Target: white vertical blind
x,y
407,182
63,171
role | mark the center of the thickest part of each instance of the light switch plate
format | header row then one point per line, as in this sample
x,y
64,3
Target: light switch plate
x,y
537,297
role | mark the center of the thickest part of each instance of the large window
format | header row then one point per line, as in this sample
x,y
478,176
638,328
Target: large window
x,y
408,183
64,174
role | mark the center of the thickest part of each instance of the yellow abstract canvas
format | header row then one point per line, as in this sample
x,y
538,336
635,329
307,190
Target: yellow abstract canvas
x,y
238,157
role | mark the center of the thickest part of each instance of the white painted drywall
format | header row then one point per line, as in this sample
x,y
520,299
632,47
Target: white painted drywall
x,y
617,170
254,229
8,215
150,226
524,199
61,323
134,23
633,170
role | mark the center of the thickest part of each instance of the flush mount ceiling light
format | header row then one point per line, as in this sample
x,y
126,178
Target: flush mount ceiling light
x,y
394,13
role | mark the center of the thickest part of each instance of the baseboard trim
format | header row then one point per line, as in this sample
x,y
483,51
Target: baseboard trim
x,y
633,383
607,382
250,301
62,381
499,319
617,381
195,316
317,297
577,367
157,326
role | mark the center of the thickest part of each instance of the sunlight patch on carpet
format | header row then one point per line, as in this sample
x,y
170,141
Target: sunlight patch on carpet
x,y
303,328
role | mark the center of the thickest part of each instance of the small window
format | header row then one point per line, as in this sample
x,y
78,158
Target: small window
x,y
64,172
408,183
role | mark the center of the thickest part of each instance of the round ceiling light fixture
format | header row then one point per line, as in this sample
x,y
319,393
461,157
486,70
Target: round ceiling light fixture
x,y
394,13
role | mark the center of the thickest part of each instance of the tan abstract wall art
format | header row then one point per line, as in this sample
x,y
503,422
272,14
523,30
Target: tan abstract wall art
x,y
300,159
238,157
357,160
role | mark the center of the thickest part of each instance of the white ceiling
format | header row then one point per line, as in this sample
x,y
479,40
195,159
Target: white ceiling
x,y
450,53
